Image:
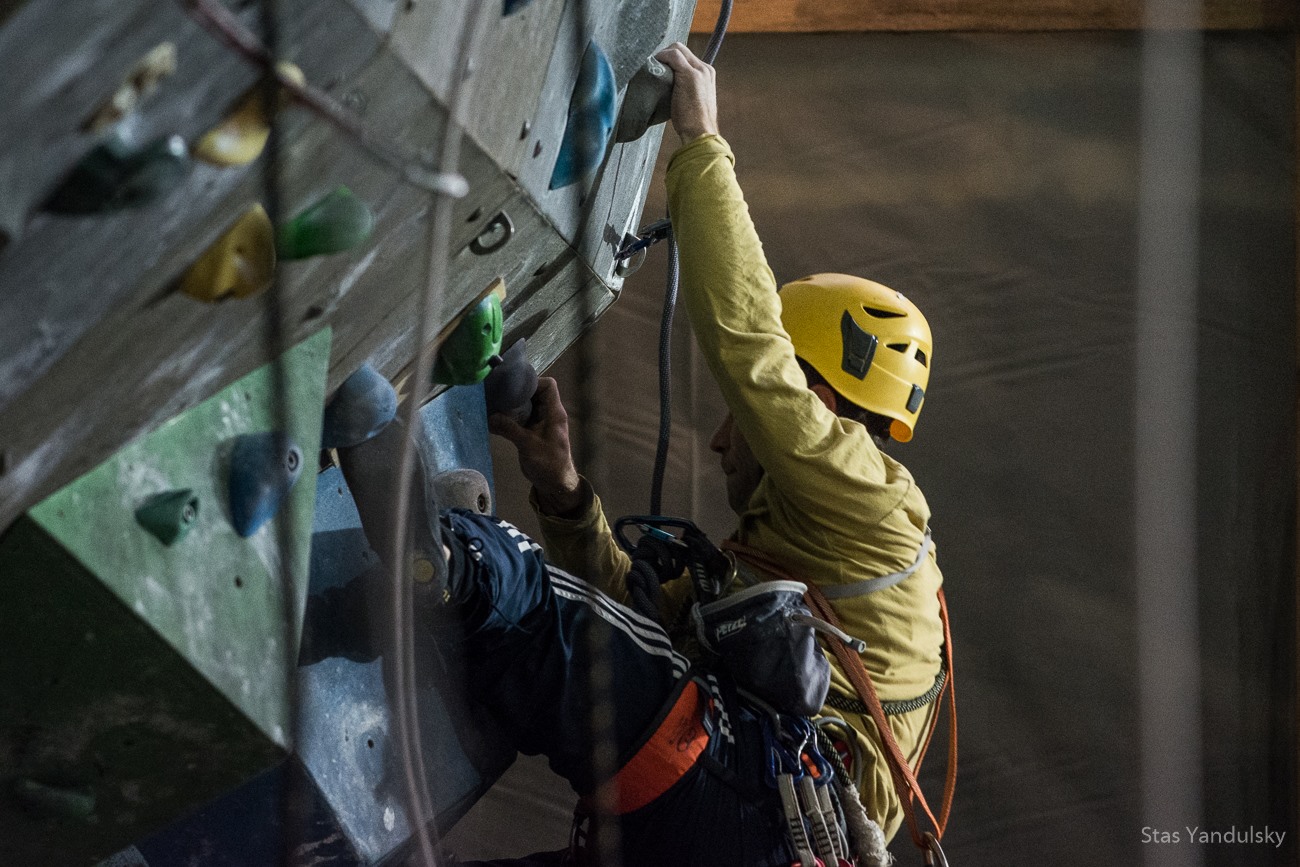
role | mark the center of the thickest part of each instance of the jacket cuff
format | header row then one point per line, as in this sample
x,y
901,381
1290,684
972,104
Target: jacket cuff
x,y
710,144
579,519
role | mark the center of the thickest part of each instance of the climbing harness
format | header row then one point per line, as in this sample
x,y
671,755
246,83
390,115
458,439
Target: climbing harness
x,y
676,742
763,636
903,775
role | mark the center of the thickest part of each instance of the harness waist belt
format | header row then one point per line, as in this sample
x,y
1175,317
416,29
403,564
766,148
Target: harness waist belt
x,y
672,750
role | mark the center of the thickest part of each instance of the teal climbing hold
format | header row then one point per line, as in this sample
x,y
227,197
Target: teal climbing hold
x,y
169,515
263,468
338,221
466,356
116,175
591,119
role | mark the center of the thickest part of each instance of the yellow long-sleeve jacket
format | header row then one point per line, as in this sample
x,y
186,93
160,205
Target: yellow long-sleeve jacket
x,y
831,507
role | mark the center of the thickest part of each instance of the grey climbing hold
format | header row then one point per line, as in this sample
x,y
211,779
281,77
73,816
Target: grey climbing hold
x,y
647,103
509,388
463,489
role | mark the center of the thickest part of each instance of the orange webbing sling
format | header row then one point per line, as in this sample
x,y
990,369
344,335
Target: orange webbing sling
x,y
904,776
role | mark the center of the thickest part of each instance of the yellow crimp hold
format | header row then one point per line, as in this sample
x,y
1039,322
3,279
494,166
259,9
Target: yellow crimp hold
x,y
141,81
240,263
239,139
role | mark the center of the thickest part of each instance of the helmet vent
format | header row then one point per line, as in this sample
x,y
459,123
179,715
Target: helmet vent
x,y
902,348
882,314
859,347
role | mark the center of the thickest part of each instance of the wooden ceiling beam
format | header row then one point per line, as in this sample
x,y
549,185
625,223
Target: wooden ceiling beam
x,y
823,16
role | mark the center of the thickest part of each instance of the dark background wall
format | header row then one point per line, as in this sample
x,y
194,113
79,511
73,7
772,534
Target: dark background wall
x,y
994,180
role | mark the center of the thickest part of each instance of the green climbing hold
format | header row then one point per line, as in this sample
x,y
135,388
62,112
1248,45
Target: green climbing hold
x,y
116,175
466,356
337,222
169,515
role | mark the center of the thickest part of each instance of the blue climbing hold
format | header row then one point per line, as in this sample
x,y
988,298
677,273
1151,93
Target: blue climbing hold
x,y
263,467
591,119
510,7
363,406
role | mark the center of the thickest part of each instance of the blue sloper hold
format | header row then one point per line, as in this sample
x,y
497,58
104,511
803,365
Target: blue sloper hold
x,y
363,406
510,7
263,467
592,112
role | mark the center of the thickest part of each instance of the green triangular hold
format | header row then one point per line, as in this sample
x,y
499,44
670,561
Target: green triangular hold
x,y
169,515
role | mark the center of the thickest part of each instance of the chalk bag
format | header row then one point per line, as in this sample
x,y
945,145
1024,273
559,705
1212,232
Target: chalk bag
x,y
763,639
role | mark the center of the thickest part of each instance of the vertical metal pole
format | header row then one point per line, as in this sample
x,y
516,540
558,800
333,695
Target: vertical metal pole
x,y
287,526
1169,673
1295,683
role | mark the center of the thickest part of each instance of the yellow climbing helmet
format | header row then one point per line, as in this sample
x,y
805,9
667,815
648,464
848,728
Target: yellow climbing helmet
x,y
869,342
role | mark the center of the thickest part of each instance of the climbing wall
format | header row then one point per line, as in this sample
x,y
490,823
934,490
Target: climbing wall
x,y
163,514
102,221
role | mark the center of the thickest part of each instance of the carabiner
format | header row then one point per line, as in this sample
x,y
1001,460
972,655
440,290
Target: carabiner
x,y
651,234
934,856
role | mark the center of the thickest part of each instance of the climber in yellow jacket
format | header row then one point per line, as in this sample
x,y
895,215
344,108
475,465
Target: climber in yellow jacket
x,y
817,378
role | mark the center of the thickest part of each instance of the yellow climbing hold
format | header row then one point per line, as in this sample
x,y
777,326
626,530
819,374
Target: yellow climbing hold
x,y
142,80
239,139
421,570
240,263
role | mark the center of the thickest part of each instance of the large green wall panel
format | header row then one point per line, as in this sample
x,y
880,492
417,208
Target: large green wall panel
x,y
143,679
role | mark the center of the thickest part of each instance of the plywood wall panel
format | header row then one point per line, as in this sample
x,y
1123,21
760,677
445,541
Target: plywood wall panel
x,y
509,55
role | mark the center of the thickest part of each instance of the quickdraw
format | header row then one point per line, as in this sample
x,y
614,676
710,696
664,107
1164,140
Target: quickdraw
x,y
814,823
